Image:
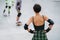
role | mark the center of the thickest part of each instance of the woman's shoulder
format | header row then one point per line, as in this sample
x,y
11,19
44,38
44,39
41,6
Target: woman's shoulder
x,y
45,17
30,18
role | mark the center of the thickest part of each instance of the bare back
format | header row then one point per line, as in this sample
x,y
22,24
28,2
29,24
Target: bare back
x,y
38,20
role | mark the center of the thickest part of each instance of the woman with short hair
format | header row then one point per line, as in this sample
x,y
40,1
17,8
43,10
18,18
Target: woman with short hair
x,y
39,24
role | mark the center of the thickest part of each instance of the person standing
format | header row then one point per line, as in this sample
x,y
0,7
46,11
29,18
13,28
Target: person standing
x,y
38,21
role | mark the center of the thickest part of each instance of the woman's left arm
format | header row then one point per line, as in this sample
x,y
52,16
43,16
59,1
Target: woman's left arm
x,y
51,23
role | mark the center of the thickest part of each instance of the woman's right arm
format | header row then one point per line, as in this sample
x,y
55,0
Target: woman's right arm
x,y
27,24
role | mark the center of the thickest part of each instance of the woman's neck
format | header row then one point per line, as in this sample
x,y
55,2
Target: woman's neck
x,y
36,14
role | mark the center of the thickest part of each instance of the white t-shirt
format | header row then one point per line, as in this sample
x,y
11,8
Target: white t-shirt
x,y
9,2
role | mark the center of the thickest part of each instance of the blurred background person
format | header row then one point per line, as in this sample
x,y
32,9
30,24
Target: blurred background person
x,y
18,8
9,4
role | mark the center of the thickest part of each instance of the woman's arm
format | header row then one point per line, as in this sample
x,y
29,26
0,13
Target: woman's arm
x,y
51,23
27,24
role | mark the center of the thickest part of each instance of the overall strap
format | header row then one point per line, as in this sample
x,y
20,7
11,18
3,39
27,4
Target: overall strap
x,y
43,17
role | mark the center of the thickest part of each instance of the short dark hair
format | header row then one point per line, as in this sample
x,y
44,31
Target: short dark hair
x,y
37,8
